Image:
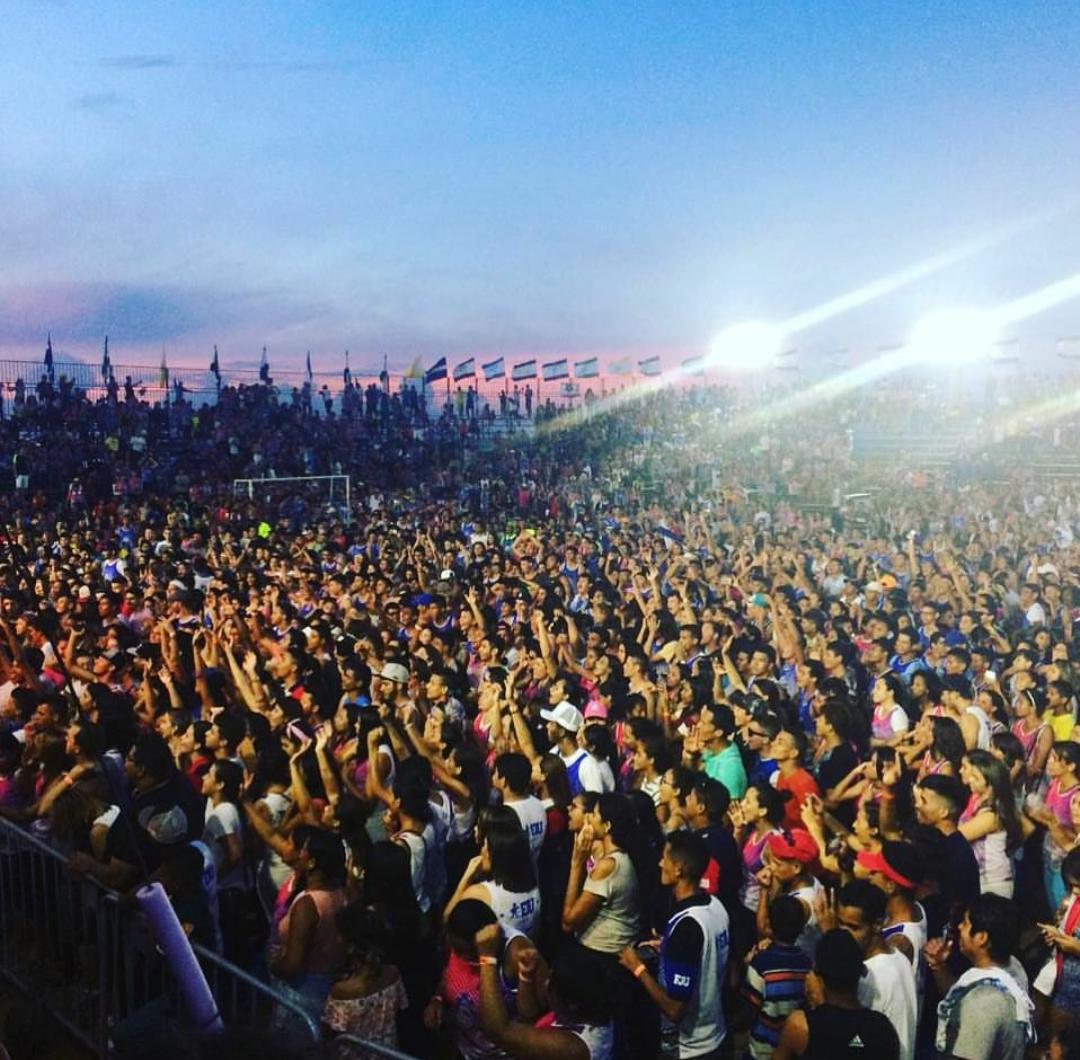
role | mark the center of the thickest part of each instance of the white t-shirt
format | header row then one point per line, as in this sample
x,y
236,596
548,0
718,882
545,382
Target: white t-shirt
x,y
596,775
223,821
1036,614
889,988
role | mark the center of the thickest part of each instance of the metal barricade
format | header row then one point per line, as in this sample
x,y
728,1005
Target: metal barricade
x,y
88,956
348,1047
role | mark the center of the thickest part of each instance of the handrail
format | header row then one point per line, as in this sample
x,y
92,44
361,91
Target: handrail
x,y
81,949
368,1046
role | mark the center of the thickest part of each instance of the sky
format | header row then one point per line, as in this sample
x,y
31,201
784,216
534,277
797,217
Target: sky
x,y
429,179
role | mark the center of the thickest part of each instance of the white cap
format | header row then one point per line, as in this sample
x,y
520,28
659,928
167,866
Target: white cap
x,y
565,714
395,672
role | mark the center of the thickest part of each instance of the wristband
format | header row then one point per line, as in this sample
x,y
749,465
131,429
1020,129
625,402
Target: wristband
x,y
485,959
639,971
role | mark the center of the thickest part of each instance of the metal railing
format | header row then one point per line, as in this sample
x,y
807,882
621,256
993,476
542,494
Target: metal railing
x,y
348,1046
87,954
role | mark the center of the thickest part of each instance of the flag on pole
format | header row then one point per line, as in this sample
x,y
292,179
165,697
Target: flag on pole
x,y
650,366
588,369
163,372
106,364
556,370
346,375
465,370
215,367
264,368
693,366
623,366
49,356
309,375
494,369
436,372
414,371
524,370
666,532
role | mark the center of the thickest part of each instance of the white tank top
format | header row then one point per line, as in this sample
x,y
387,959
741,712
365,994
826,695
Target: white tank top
x,y
517,910
995,865
810,935
599,1038
533,817
982,740
915,931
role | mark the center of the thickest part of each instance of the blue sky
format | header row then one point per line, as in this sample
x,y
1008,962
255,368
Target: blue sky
x,y
428,179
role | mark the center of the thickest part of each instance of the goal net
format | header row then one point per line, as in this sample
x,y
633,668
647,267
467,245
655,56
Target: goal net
x,y
298,497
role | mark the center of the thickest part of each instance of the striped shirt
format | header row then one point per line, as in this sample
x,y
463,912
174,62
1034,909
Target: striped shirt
x,y
775,985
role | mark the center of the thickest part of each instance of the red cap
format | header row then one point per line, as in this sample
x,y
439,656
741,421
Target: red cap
x,y
796,845
874,861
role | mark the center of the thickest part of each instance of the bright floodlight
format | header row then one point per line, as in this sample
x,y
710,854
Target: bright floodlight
x,y
953,336
747,347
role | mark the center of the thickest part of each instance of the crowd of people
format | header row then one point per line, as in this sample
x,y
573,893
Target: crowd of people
x,y
632,752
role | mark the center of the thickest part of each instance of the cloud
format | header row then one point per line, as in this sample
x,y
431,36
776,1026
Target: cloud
x,y
301,66
99,102
142,314
137,62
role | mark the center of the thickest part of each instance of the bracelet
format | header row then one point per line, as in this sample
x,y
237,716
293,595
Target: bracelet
x,y
485,959
524,978
639,971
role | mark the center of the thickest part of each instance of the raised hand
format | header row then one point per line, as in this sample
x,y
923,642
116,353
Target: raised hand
x,y
936,952
583,843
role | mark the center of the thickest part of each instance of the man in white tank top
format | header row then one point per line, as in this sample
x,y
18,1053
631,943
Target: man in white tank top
x,y
888,986
511,778
693,956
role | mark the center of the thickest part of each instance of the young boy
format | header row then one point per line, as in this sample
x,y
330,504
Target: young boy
x,y
776,976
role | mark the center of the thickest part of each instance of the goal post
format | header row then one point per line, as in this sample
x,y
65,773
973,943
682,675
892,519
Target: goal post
x,y
338,487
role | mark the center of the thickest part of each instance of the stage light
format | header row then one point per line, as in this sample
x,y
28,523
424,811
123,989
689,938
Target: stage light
x,y
748,347
953,336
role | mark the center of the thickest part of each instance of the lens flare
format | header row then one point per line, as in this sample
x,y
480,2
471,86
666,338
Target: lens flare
x,y
953,336
747,347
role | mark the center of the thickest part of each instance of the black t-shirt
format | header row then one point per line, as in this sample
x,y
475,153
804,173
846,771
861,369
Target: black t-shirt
x,y
835,766
837,1033
724,851
958,884
168,815
831,770
120,843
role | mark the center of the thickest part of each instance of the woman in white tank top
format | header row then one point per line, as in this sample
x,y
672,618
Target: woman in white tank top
x,y
502,874
989,821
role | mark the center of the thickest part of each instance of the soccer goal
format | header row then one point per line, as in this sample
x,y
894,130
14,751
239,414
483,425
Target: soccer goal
x,y
309,490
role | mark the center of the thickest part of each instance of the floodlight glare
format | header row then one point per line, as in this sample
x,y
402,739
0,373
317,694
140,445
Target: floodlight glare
x,y
748,347
953,336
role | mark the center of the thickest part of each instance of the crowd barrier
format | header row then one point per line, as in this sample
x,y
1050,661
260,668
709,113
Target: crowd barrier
x,y
87,955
